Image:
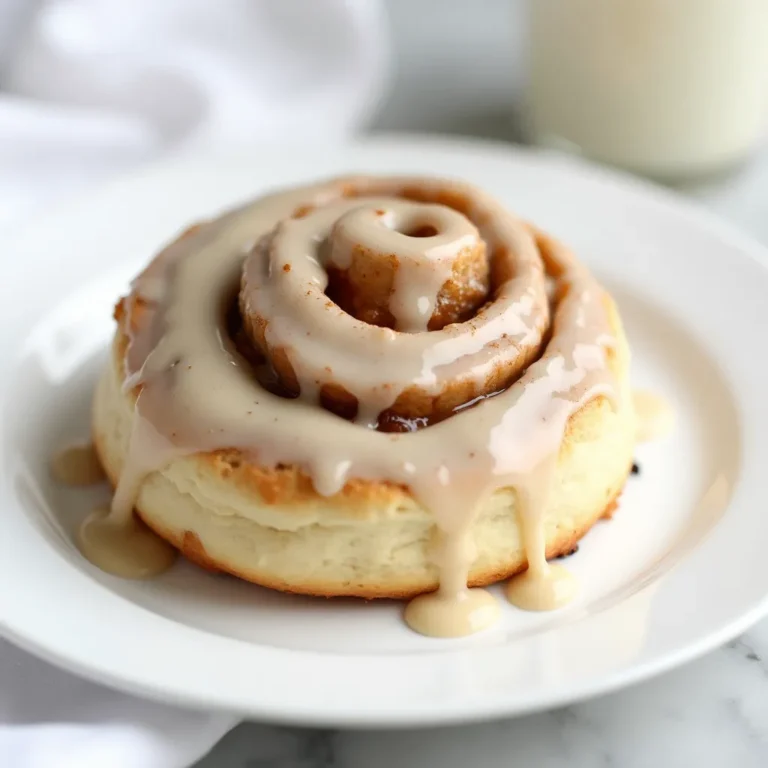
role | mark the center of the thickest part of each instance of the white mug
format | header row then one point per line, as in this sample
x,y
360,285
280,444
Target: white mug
x,y
669,88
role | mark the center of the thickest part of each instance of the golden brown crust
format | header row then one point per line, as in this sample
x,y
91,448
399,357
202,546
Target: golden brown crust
x,y
192,548
190,545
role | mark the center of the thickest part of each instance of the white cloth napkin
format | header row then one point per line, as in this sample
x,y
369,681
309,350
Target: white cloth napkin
x,y
50,719
94,86
87,89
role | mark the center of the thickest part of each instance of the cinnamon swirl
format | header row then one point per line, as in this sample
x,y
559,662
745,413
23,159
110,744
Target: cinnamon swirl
x,y
373,387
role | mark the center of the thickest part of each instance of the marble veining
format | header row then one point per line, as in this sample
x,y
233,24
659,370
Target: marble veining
x,y
711,713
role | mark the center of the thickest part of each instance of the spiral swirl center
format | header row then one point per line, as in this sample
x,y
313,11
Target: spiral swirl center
x,y
410,333
408,266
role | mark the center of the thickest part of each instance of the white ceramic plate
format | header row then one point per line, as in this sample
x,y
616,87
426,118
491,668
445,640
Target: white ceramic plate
x,y
680,569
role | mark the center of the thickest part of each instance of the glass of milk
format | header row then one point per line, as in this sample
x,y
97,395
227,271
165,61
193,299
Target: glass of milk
x,y
673,89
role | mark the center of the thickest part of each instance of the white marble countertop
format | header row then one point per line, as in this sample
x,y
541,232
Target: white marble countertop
x,y
712,712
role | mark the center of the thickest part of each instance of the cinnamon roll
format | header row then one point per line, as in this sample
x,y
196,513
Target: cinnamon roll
x,y
372,387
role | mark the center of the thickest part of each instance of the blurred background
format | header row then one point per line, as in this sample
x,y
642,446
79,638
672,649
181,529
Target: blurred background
x,y
674,90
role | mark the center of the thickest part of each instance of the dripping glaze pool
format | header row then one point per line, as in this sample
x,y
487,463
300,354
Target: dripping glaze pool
x,y
634,570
